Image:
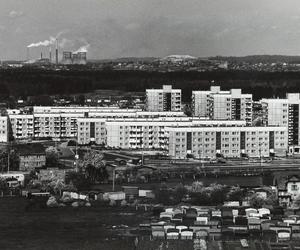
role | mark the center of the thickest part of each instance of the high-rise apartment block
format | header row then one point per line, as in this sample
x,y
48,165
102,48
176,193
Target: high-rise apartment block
x,y
222,105
284,112
165,99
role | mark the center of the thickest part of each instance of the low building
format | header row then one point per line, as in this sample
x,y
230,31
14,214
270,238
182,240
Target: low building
x,y
51,174
291,191
21,177
31,156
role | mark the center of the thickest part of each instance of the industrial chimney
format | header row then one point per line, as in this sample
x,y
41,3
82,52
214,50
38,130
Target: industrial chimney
x,y
28,54
56,53
41,55
50,54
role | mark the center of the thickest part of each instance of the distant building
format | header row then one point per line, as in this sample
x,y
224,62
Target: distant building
x,y
31,156
4,129
67,57
21,125
202,142
79,58
222,105
91,130
52,174
137,133
284,112
290,192
165,99
61,122
74,58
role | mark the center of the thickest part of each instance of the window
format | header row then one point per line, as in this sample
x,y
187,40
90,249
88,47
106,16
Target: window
x,y
294,187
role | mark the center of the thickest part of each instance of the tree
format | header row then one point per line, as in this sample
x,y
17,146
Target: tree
x,y
163,194
296,202
217,193
13,160
179,192
51,157
81,100
78,180
3,186
94,166
235,194
256,201
213,194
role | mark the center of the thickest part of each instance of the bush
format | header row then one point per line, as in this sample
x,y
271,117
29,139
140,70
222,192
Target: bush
x,y
123,203
112,203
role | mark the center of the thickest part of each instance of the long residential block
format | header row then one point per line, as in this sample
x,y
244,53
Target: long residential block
x,y
201,142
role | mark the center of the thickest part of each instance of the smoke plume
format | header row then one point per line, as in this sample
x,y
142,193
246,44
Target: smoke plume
x,y
83,49
43,43
49,42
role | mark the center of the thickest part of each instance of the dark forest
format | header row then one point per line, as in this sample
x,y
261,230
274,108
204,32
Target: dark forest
x,y
21,83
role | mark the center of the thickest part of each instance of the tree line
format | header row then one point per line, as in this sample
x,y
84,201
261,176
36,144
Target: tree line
x,y
25,82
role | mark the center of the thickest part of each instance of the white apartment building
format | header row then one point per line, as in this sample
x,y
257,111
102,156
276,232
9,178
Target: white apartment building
x,y
4,129
22,126
61,122
137,133
284,112
91,130
26,126
56,125
222,105
202,142
80,109
165,99
137,114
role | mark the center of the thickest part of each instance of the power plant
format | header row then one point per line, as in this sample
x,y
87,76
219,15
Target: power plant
x,y
68,58
74,58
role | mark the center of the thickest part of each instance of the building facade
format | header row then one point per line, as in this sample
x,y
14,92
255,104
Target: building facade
x,y
91,130
4,131
56,125
31,156
284,112
61,122
222,105
202,142
136,133
22,126
165,99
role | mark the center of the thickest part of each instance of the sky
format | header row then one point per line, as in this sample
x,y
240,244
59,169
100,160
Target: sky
x,y
154,28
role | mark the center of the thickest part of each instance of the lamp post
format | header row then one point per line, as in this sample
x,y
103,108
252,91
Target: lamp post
x,y
113,180
8,158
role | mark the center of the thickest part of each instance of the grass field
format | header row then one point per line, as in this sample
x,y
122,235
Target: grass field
x,y
62,228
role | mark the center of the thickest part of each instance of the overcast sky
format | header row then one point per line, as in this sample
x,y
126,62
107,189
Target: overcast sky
x,y
122,28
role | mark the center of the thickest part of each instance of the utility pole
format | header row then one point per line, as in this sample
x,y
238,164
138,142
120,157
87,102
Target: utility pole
x,y
8,157
114,173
